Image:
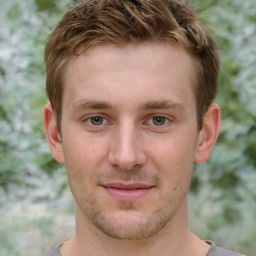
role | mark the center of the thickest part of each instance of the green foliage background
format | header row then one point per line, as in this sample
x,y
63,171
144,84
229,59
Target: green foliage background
x,y
35,203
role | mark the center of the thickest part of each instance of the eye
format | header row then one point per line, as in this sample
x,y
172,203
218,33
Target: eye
x,y
158,120
97,120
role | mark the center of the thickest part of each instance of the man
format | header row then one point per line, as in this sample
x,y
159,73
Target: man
x,y
131,87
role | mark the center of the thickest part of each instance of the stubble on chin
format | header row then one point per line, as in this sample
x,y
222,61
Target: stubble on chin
x,y
129,224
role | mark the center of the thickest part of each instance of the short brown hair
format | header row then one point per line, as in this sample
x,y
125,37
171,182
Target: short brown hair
x,y
132,21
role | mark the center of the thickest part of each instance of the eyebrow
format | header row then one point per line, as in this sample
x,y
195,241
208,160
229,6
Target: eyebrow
x,y
86,104
162,104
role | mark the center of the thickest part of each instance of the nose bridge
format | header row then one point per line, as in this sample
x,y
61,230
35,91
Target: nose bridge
x,y
126,150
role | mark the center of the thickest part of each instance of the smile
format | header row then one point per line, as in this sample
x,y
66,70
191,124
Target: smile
x,y
127,192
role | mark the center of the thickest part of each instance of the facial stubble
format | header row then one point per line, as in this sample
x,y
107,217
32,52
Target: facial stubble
x,y
110,225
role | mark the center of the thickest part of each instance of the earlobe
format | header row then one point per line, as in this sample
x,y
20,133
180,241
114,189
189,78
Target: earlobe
x,y
52,133
208,134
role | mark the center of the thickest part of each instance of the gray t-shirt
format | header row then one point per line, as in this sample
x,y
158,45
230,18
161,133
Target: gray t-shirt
x,y
214,251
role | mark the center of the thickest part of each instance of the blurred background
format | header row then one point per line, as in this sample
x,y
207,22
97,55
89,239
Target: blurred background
x,y
36,206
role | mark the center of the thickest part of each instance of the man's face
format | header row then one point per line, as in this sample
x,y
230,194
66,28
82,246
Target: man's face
x,y
129,136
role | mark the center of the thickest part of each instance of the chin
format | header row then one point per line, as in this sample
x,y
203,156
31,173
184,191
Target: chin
x,y
130,225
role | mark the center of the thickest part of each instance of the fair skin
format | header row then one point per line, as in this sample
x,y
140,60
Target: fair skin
x,y
129,139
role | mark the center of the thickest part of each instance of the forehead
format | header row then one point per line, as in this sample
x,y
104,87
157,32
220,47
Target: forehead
x,y
152,52
150,69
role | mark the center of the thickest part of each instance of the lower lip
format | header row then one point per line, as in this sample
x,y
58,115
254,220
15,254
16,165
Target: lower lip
x,y
128,195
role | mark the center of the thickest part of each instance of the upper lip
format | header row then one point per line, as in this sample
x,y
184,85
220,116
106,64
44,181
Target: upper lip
x,y
127,186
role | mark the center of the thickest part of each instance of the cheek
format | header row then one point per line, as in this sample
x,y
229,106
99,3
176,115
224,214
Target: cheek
x,y
174,150
173,159
84,158
85,149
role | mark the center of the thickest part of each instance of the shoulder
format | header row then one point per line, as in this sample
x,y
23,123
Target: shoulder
x,y
218,251
54,252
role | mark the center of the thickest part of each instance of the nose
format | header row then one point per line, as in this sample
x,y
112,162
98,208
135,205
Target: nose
x,y
126,150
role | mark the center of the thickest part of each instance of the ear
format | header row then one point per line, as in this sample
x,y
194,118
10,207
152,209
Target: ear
x,y
208,134
52,133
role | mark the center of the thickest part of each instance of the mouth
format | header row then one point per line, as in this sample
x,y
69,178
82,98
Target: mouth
x,y
127,192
